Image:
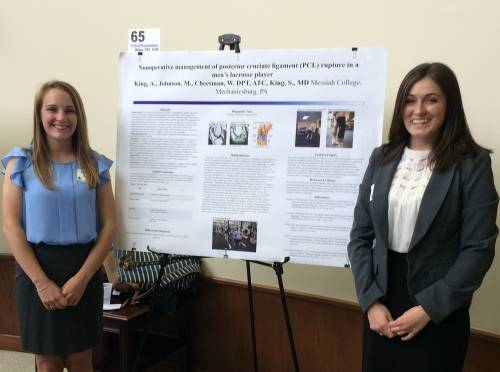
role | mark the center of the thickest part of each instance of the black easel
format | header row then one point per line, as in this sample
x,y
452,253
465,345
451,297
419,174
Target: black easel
x,y
278,269
233,41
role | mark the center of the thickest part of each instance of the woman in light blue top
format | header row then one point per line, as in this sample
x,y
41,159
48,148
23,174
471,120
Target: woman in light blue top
x,y
59,220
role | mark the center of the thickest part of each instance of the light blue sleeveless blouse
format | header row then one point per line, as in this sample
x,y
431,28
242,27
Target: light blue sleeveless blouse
x,y
64,215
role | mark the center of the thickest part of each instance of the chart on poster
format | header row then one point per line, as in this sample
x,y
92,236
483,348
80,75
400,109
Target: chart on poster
x,y
256,155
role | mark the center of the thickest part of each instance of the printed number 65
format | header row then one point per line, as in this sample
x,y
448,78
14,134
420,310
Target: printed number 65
x,y
137,36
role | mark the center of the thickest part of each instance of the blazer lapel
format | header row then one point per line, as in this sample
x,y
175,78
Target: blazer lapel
x,y
382,185
431,202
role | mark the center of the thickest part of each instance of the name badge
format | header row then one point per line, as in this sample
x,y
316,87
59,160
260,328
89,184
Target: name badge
x,y
80,176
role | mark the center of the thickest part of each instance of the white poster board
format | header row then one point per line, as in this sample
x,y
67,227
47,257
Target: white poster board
x,y
255,155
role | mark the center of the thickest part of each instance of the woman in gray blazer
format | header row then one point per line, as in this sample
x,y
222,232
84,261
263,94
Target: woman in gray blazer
x,y
424,230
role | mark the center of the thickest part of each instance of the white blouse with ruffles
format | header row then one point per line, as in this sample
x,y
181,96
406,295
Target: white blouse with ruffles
x,y
407,189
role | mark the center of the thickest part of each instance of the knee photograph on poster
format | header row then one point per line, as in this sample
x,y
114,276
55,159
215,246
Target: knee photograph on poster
x,y
340,129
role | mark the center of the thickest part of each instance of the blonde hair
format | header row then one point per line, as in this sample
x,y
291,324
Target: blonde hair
x,y
80,140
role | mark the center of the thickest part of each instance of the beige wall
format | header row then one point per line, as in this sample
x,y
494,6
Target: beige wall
x,y
80,42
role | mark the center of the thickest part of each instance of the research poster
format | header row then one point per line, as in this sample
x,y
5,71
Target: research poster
x,y
254,155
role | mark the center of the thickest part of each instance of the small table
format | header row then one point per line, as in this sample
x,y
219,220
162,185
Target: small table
x,y
123,322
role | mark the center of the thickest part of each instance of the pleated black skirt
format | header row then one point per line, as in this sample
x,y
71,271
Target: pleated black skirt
x,y
58,332
437,348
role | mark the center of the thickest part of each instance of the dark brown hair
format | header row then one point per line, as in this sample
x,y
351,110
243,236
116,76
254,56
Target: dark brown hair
x,y
454,142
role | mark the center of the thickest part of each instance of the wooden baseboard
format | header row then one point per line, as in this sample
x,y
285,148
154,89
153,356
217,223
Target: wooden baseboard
x,y
10,342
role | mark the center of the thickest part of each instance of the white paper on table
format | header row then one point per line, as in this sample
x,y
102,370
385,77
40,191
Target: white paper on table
x,y
111,306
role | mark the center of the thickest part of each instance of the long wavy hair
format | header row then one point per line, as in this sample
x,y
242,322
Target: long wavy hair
x,y
80,140
454,142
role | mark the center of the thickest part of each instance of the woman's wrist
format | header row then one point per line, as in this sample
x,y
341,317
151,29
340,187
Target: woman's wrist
x,y
374,304
84,276
42,285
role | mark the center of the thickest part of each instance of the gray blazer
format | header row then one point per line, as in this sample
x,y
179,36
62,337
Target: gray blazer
x,y
453,243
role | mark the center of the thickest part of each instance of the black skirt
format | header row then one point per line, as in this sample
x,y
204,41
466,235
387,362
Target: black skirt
x,y
58,332
436,348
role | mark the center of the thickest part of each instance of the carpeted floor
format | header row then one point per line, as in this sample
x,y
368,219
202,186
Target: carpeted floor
x,y
11,361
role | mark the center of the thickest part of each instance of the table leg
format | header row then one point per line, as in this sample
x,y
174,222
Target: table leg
x,y
124,348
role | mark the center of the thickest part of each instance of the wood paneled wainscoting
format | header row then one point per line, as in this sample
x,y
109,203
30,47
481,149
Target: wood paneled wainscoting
x,y
9,327
327,331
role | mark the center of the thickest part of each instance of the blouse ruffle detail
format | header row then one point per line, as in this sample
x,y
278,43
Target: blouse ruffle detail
x,y
23,162
103,166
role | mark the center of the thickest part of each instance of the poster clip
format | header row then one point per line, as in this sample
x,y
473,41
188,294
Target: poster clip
x,y
232,40
354,52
